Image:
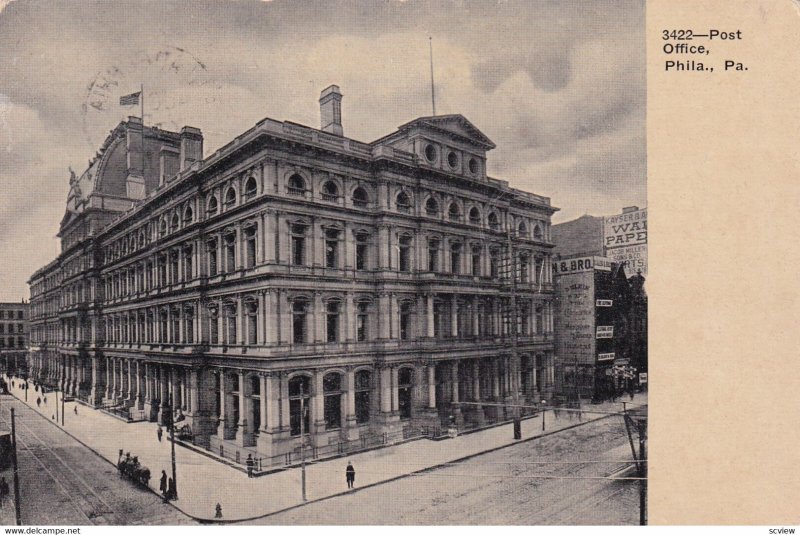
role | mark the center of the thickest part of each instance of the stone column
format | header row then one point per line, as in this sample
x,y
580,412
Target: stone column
x,y
350,424
386,389
454,316
395,390
430,317
431,386
245,420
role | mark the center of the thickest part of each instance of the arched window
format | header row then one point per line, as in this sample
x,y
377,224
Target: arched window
x,y
176,223
299,317
213,324
162,231
330,191
296,185
453,212
404,260
405,386
230,197
474,216
332,392
522,230
213,206
250,188
494,224
431,207
403,202
360,197
332,321
188,215
537,232
299,401
363,386
142,239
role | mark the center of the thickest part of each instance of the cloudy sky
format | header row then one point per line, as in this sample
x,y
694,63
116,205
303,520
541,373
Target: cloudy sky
x,y
558,86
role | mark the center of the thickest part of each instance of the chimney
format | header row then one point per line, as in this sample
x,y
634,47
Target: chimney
x,y
330,110
191,146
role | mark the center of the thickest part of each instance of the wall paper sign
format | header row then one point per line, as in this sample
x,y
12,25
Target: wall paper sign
x,y
605,331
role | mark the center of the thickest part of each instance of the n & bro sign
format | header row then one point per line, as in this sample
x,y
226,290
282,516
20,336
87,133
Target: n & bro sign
x,y
625,229
587,263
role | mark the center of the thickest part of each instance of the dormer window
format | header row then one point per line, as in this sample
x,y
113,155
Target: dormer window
x,y
452,159
474,166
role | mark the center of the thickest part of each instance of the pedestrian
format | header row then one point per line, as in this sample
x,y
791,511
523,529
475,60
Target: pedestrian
x,y
159,432
350,474
173,491
163,485
218,511
4,490
75,410
250,462
38,402
630,392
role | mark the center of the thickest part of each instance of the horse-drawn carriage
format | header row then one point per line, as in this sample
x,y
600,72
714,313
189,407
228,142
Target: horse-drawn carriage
x,y
130,468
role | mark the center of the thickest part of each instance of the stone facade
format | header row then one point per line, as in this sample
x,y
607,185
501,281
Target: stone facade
x,y
375,285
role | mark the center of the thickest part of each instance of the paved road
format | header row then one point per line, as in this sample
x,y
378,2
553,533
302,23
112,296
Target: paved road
x,y
62,482
500,488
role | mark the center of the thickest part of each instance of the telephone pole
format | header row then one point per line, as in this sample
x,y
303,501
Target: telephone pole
x,y
17,511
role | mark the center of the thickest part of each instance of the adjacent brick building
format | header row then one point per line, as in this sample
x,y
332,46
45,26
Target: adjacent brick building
x,y
14,326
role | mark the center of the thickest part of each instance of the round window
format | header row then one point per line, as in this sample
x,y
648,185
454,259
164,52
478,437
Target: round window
x,y
452,159
430,152
473,166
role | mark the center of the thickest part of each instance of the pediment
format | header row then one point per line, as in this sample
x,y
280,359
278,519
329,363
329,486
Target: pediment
x,y
457,125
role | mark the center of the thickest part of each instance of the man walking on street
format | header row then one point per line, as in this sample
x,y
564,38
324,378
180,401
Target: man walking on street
x,y
350,474
159,432
163,485
4,490
250,463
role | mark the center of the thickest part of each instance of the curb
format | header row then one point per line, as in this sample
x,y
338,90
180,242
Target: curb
x,y
211,521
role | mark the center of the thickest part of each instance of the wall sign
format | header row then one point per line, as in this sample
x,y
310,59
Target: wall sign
x,y
625,229
605,331
605,356
604,302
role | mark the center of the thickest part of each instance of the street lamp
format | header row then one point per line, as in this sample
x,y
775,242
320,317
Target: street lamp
x,y
302,439
544,403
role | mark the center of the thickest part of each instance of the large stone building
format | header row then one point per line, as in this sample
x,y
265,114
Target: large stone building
x,y
375,284
13,326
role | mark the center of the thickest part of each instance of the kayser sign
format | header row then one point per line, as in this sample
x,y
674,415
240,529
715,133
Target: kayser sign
x,y
625,229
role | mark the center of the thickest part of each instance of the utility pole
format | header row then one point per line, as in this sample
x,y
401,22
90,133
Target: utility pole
x,y
172,441
642,426
302,439
16,468
63,390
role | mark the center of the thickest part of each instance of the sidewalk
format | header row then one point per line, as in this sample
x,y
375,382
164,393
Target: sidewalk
x,y
203,482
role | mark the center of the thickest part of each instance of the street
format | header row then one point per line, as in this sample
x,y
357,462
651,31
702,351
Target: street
x,y
62,482
499,487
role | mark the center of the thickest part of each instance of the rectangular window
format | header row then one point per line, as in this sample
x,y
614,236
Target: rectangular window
x,y
298,250
361,256
251,251
252,328
213,329
333,322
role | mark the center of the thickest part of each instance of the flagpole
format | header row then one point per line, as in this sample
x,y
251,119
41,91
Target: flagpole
x,y
141,101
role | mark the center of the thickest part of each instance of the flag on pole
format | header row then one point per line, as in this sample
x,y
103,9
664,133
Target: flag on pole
x,y
130,100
